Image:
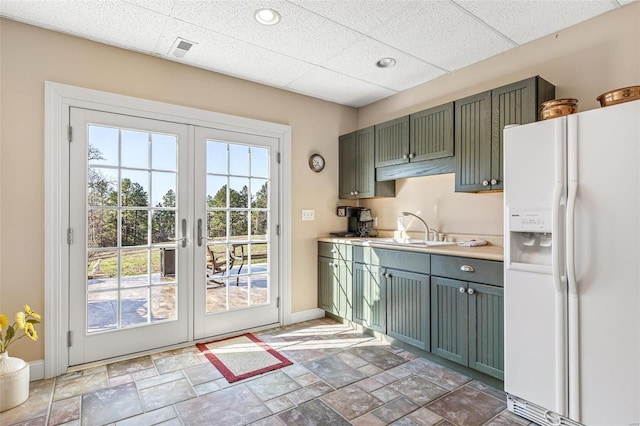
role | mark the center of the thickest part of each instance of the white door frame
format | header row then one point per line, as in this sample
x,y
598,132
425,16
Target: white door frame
x,y
58,99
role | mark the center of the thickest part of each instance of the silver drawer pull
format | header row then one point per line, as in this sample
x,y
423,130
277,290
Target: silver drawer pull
x,y
462,290
467,268
471,291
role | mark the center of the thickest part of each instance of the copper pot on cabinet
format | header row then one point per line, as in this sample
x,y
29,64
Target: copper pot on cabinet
x,y
619,96
557,108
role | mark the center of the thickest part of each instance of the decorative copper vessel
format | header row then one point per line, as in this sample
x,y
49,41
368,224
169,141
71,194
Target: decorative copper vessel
x,y
619,96
557,108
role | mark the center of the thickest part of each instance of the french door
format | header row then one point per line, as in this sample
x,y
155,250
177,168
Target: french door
x,y
170,230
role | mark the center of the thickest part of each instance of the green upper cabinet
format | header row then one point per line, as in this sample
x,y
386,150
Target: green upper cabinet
x,y
392,142
419,144
479,123
431,133
357,169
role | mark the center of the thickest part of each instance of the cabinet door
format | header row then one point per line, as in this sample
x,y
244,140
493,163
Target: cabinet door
x,y
369,297
486,329
473,142
512,104
392,142
347,161
449,319
431,133
335,291
365,171
326,277
408,307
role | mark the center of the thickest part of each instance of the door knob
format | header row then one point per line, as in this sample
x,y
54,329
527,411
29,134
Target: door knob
x,y
412,155
462,290
405,156
485,183
471,291
494,181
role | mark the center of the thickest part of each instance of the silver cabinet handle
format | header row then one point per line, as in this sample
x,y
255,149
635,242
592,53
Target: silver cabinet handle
x,y
405,156
485,183
494,181
183,240
471,291
462,290
467,268
355,192
334,251
387,275
412,155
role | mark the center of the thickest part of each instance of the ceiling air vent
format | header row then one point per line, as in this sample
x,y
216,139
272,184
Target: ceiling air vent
x,y
180,47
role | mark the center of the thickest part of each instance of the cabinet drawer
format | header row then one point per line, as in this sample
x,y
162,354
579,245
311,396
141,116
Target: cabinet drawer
x,y
396,259
335,250
467,269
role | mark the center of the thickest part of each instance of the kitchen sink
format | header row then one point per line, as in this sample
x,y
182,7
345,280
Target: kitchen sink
x,y
411,242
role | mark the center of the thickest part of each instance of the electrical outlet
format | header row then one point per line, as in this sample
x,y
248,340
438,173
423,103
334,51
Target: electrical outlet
x,y
308,215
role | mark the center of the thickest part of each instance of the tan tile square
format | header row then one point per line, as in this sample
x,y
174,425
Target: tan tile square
x,y
351,402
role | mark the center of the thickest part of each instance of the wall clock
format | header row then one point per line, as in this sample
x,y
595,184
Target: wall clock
x,y
316,162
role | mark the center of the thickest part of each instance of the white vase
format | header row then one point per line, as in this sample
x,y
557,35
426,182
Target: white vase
x,y
14,381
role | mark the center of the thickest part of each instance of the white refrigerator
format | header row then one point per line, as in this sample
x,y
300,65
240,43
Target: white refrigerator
x,y
572,268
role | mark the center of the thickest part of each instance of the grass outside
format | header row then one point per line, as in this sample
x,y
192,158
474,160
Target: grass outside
x,y
135,262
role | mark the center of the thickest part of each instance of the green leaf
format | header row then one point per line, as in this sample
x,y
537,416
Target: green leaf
x,y
33,321
10,333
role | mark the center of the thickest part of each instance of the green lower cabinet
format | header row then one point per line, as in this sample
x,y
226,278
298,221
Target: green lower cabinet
x,y
450,319
467,323
486,329
369,297
335,286
408,307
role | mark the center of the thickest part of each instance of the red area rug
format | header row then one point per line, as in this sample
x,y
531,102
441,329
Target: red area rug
x,y
241,357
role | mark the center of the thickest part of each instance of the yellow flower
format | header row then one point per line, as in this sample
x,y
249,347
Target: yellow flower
x,y
30,332
4,321
20,320
29,312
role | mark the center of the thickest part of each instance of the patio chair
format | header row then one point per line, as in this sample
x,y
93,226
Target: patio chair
x,y
217,265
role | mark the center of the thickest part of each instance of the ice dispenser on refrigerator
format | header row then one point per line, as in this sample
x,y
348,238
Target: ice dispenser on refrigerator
x,y
530,237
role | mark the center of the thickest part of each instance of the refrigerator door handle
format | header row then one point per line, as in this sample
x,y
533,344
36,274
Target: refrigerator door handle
x,y
573,299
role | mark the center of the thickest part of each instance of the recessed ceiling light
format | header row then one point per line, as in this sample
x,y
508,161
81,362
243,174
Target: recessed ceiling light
x,y
386,63
267,16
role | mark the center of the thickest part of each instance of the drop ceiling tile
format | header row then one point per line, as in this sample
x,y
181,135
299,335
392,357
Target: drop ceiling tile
x,y
361,15
335,87
515,19
229,56
114,22
161,6
300,34
359,60
442,34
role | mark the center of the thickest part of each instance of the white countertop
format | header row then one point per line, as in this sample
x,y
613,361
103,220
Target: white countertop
x,y
487,252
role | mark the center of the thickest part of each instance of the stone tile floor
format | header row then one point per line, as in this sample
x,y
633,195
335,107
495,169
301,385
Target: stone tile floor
x,y
339,377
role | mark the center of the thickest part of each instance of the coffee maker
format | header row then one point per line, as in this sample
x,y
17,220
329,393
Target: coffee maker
x,y
360,221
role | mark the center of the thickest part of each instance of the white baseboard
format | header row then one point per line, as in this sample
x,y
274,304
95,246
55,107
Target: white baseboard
x,y
307,315
36,370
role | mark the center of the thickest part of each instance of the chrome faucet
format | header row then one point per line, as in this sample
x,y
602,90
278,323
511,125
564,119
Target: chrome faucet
x,y
426,227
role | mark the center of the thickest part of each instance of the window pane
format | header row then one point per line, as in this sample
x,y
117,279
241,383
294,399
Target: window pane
x,y
134,305
103,146
163,152
259,295
102,186
134,268
239,224
259,162
217,191
259,221
163,226
217,157
163,302
102,270
135,149
217,225
259,194
164,189
102,228
238,160
134,188
238,193
102,311
134,227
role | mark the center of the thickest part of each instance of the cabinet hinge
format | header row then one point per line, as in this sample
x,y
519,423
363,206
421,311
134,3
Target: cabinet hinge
x,y
278,230
278,302
278,158
69,236
70,133
69,338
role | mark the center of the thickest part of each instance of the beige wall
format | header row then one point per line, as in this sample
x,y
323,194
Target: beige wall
x,y
582,62
30,56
